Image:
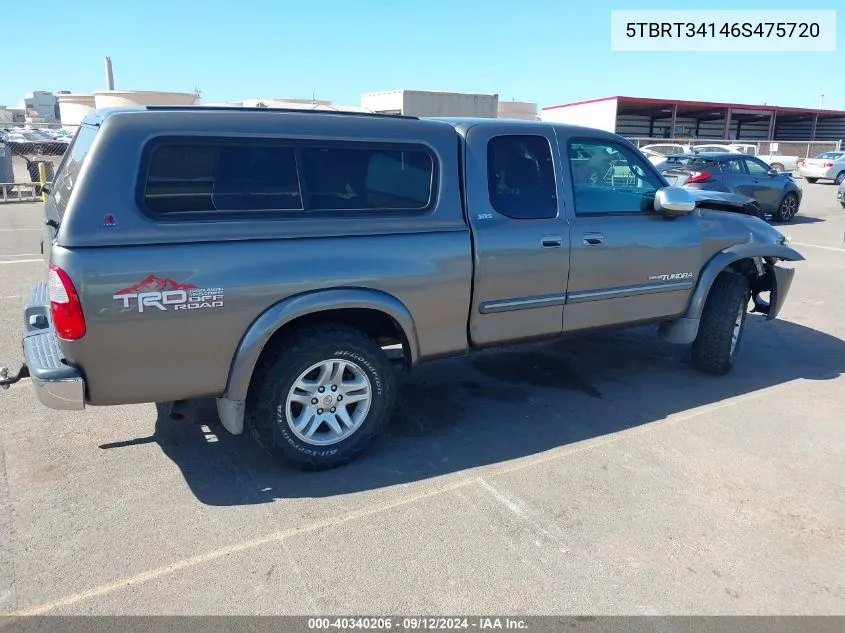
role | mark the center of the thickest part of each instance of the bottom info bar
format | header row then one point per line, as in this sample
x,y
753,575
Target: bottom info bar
x,y
297,624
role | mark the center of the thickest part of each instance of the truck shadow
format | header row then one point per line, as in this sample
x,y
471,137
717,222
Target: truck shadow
x,y
798,219
501,405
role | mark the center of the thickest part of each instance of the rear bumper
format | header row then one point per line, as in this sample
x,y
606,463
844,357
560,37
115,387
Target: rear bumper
x,y
817,172
57,384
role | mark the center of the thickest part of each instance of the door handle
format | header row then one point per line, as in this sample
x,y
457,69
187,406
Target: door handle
x,y
593,239
551,241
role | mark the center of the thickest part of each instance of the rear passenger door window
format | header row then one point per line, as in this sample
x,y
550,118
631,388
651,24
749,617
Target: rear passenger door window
x,y
521,177
733,166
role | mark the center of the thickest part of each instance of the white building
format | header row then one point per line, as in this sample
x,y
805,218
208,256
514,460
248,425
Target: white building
x,y
288,104
427,103
524,110
40,106
650,118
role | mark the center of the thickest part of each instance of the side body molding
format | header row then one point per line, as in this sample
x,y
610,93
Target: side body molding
x,y
231,405
685,329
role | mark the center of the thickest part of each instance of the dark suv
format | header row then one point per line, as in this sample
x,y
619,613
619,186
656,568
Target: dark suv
x,y
777,193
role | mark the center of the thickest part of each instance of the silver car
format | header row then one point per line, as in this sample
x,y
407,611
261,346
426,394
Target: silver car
x,y
825,166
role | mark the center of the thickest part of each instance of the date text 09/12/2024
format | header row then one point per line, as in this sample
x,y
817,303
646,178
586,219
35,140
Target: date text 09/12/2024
x,y
713,29
417,623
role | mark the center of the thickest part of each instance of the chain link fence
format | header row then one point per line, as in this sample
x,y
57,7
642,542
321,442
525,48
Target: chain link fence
x,y
796,149
22,149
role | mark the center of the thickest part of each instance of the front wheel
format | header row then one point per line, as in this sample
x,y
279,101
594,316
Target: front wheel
x,y
321,399
722,324
812,181
788,208
778,167
839,178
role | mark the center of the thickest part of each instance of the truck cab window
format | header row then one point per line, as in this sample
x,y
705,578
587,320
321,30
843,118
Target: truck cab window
x,y
520,177
610,178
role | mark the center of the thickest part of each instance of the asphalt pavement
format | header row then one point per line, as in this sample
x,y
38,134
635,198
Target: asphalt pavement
x,y
597,475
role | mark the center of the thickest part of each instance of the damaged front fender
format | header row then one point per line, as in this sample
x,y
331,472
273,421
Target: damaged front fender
x,y
771,277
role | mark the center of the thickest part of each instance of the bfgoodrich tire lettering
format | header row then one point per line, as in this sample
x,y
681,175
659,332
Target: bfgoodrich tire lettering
x,y
722,324
276,403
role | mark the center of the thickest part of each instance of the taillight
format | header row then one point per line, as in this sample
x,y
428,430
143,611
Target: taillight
x,y
699,176
65,307
828,164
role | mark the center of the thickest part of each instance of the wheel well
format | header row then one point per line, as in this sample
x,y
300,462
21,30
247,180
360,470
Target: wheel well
x,y
758,282
376,324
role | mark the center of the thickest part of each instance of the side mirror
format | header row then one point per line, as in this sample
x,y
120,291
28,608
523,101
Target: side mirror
x,y
773,173
673,201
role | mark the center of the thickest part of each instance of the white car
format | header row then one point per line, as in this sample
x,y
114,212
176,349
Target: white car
x,y
734,148
667,149
655,158
780,162
825,166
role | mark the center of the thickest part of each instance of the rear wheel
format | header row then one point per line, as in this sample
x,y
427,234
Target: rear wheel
x,y
839,178
778,167
788,208
722,324
322,397
812,181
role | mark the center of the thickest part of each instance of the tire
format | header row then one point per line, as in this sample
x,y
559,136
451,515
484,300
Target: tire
x,y
722,324
274,405
843,204
812,181
787,209
778,167
839,178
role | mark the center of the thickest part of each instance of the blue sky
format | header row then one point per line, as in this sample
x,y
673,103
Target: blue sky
x,y
548,51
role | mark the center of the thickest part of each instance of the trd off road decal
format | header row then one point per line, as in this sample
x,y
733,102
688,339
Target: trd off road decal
x,y
166,294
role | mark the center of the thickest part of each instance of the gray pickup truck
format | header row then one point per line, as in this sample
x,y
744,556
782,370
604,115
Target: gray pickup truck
x,y
287,262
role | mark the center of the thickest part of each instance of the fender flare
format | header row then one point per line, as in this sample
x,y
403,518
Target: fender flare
x,y
724,258
280,314
684,329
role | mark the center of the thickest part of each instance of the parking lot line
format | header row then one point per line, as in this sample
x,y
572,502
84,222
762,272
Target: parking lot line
x,y
8,230
20,261
449,486
827,248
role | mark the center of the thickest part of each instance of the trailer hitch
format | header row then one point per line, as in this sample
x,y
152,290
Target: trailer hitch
x,y
6,379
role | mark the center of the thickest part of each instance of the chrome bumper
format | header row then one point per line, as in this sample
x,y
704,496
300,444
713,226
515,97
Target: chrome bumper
x,y
57,384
